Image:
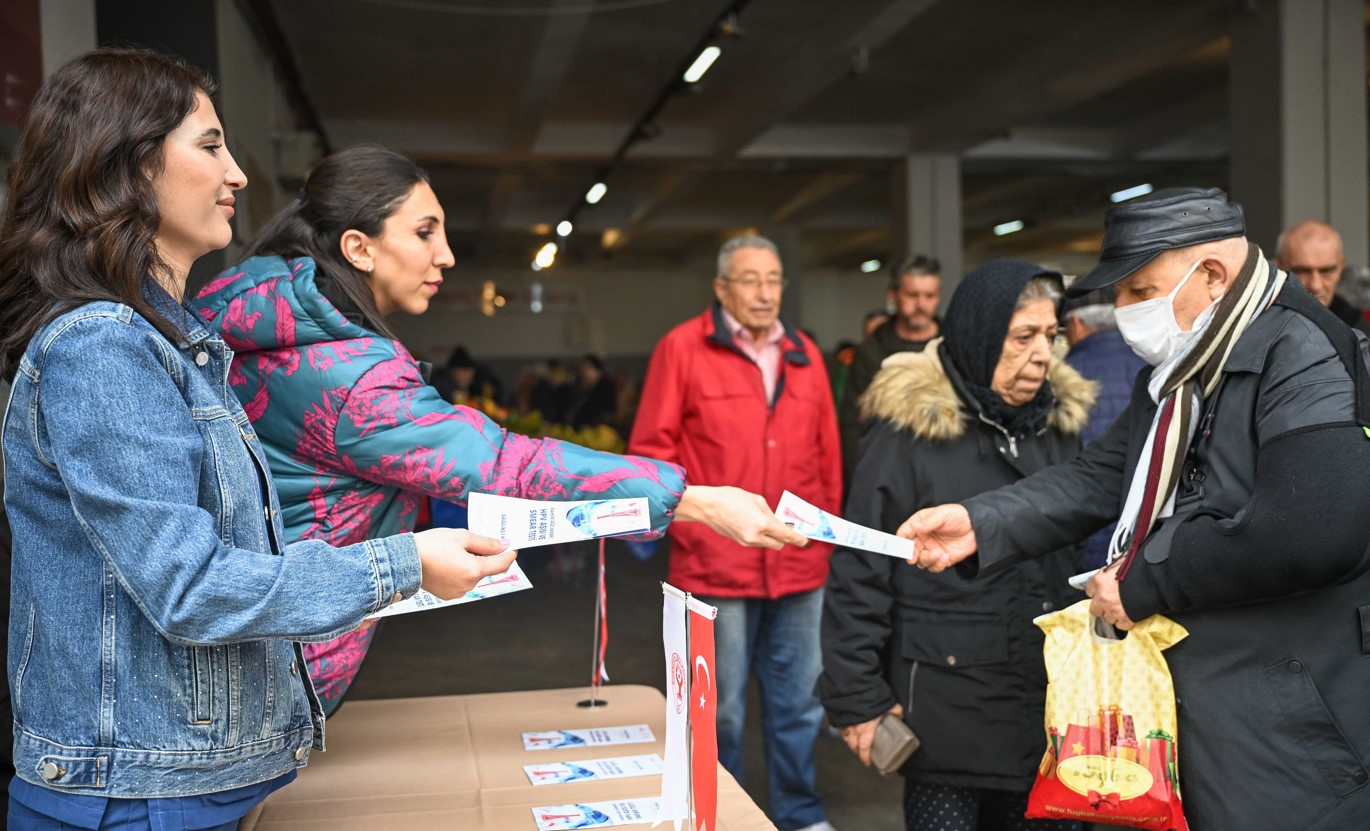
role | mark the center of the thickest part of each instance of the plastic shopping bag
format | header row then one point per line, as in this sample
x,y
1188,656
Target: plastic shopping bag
x,y
1110,722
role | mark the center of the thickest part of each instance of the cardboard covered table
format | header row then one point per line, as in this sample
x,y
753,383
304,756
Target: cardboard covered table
x,y
457,762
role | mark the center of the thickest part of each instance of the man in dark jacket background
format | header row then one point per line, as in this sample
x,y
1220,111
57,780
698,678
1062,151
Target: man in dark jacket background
x,y
1244,521
914,291
1098,352
1311,251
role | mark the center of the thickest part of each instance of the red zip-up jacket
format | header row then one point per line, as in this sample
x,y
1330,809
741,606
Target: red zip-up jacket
x,y
704,407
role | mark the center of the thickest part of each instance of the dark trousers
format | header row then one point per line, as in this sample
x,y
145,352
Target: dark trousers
x,y
945,808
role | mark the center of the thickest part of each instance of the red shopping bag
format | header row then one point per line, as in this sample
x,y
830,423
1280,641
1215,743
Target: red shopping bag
x,y
1098,693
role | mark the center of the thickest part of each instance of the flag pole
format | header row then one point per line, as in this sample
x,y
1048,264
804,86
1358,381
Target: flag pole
x,y
596,668
690,720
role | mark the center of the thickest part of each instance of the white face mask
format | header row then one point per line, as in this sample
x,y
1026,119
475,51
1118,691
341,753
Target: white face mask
x,y
1150,327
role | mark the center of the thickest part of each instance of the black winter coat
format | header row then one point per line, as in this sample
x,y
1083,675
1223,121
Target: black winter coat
x,y
1264,562
962,657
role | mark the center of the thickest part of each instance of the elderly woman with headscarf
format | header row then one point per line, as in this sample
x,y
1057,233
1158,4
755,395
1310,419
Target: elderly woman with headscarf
x,y
985,405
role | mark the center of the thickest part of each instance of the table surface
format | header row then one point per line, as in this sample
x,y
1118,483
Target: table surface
x,y
457,762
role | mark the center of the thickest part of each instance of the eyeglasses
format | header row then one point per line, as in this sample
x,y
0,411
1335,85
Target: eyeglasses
x,y
752,283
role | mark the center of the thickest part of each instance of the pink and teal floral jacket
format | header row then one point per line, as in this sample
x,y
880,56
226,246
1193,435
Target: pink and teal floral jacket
x,y
356,439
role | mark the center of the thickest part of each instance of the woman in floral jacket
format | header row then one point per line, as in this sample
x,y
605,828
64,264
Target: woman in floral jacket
x,y
355,437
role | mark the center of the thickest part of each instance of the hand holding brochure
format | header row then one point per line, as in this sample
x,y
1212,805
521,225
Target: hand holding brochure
x,y
527,523
510,581
817,524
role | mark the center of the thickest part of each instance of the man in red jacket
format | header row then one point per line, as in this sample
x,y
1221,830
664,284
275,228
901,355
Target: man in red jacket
x,y
738,397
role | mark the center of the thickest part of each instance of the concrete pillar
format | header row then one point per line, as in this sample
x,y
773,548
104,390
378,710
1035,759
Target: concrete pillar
x,y
927,213
68,31
1298,116
786,238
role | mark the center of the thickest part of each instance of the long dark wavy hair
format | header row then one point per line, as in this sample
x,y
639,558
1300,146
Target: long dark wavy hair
x,y
354,189
81,220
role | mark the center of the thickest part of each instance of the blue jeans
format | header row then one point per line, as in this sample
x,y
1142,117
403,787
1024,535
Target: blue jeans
x,y
778,639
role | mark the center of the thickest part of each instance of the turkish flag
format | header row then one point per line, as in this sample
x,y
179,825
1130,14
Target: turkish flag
x,y
703,721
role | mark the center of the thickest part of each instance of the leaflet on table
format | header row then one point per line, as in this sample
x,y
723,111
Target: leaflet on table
x,y
555,773
596,814
530,522
589,737
817,524
513,580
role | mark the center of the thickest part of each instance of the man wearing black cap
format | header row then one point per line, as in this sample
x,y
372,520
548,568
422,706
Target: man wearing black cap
x,y
1239,476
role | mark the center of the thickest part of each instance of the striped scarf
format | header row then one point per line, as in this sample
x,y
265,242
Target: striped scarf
x,y
1179,386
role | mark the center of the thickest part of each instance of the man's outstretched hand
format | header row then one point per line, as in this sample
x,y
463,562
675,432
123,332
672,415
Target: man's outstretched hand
x,y
942,536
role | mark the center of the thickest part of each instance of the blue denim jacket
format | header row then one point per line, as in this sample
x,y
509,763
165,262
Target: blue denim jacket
x,y
154,603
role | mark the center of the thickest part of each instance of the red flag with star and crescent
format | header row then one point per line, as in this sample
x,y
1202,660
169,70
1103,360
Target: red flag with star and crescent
x,y
703,724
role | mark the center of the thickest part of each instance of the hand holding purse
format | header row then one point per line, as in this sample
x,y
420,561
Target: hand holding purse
x,y
894,743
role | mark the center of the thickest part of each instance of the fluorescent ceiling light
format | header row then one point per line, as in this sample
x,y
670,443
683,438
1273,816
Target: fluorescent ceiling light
x,y
1130,193
870,266
564,228
596,193
1008,227
702,63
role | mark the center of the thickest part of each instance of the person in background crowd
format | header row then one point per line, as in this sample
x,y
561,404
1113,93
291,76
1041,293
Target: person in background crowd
x,y
982,406
463,380
552,392
1098,352
1311,251
157,685
1238,469
594,399
738,395
354,437
914,291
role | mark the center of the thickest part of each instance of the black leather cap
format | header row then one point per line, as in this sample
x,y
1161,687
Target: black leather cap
x,y
1135,232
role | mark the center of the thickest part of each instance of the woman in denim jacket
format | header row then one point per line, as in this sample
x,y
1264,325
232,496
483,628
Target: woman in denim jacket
x,y
154,600
354,435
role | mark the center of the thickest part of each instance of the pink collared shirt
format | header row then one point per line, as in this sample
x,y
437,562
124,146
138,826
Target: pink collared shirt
x,y
766,356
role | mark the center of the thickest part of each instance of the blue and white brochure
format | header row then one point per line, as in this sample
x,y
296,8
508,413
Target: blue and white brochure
x,y
532,522
596,814
593,770
817,524
589,737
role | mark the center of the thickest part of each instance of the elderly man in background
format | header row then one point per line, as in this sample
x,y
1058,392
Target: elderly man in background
x,y
739,397
914,291
1311,250
1240,473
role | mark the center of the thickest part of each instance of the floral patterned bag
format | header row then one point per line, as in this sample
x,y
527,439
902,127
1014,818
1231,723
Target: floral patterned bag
x,y
1110,722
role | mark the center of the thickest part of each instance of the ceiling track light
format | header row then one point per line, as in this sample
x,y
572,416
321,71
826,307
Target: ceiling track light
x,y
702,63
696,62
1009,227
